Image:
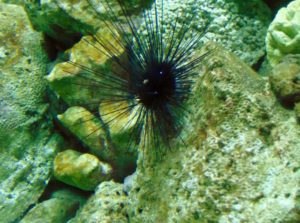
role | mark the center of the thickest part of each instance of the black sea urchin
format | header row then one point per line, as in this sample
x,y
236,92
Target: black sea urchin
x,y
154,80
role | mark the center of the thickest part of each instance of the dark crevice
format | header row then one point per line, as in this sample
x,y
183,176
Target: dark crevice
x,y
275,5
259,63
53,47
55,185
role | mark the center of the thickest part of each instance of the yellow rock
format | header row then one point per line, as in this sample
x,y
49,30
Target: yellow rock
x,y
118,116
78,81
87,128
83,171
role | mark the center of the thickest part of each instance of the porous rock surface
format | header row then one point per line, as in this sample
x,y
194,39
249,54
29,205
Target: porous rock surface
x,y
107,205
284,33
233,24
27,148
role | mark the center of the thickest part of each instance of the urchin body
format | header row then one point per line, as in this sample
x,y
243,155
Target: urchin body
x,y
157,85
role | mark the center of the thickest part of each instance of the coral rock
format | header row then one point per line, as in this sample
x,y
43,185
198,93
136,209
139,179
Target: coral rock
x,y
27,143
284,33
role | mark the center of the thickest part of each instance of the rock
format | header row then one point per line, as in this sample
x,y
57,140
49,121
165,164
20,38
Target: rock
x,y
285,80
27,143
83,171
284,33
81,79
86,127
59,208
107,205
84,90
240,159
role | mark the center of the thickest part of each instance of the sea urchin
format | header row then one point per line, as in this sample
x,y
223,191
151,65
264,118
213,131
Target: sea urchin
x,y
154,80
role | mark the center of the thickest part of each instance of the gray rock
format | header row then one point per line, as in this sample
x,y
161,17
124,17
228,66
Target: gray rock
x,y
27,147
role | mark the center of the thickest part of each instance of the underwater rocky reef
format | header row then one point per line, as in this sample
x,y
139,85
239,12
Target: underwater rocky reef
x,y
149,111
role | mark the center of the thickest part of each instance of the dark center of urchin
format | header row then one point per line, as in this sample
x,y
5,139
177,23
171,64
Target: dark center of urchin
x,y
157,85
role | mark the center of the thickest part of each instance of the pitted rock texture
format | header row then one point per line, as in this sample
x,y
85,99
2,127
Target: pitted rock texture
x,y
297,111
230,23
27,147
107,205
